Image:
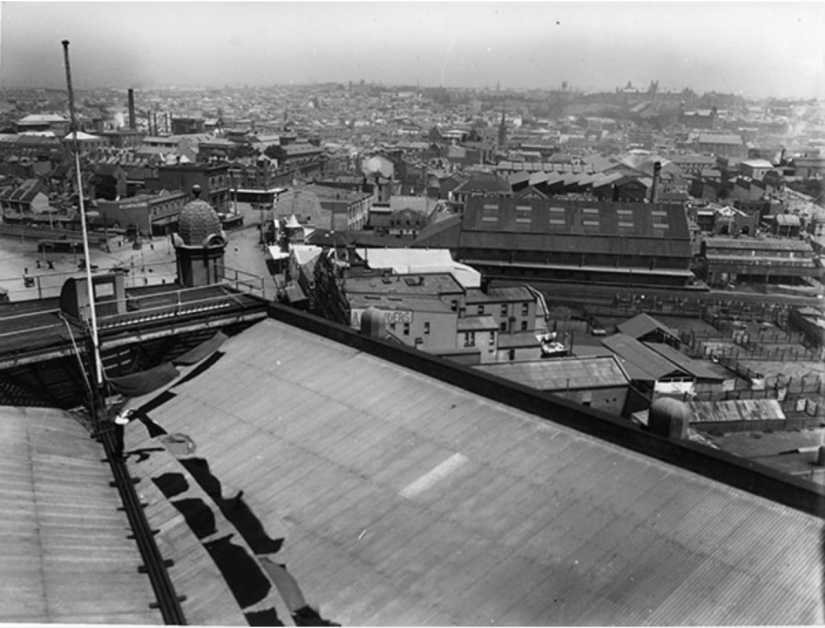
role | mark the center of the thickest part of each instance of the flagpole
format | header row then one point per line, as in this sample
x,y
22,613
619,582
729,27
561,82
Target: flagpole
x,y
90,286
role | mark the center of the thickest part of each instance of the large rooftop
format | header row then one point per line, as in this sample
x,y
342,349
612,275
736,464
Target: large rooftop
x,y
402,499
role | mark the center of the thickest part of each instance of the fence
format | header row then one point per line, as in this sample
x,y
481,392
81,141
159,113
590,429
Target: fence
x,y
740,346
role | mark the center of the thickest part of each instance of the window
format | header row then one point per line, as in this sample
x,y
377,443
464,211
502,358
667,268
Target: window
x,y
469,339
426,328
523,325
525,309
406,329
492,338
504,309
502,327
454,305
511,354
523,214
481,310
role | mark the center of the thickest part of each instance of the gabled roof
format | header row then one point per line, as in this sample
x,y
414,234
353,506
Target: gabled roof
x,y
641,325
488,183
641,362
696,368
518,177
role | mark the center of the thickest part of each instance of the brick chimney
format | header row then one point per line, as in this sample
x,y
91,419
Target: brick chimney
x,y
132,122
654,189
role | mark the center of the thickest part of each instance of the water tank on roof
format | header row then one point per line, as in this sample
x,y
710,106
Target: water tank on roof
x,y
669,417
373,323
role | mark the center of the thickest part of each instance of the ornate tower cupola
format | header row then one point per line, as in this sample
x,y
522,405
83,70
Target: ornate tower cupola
x,y
199,244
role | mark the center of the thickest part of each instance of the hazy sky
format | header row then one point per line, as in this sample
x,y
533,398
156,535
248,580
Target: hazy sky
x,y
757,48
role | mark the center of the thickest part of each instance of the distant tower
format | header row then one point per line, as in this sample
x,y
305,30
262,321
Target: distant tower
x,y
653,91
502,131
199,244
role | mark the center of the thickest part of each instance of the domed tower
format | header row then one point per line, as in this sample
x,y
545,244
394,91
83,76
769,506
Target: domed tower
x,y
199,244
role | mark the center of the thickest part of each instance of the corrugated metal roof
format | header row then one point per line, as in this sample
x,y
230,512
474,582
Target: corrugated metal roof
x,y
65,557
641,325
736,410
695,368
639,361
405,501
560,374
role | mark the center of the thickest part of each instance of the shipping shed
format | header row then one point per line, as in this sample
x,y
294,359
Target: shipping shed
x,y
620,243
598,382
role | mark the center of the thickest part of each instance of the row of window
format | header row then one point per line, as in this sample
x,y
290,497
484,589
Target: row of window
x,y
525,309
470,339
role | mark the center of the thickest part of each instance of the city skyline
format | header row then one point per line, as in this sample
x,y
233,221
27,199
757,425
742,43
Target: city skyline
x,y
756,49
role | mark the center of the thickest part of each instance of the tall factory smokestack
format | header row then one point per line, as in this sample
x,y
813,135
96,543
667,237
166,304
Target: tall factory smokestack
x,y
654,189
132,123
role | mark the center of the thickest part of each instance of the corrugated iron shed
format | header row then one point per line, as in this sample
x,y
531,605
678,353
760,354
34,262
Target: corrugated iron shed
x,y
406,501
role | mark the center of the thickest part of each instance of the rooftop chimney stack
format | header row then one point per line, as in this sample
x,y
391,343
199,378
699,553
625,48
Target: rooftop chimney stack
x,y
654,189
132,123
